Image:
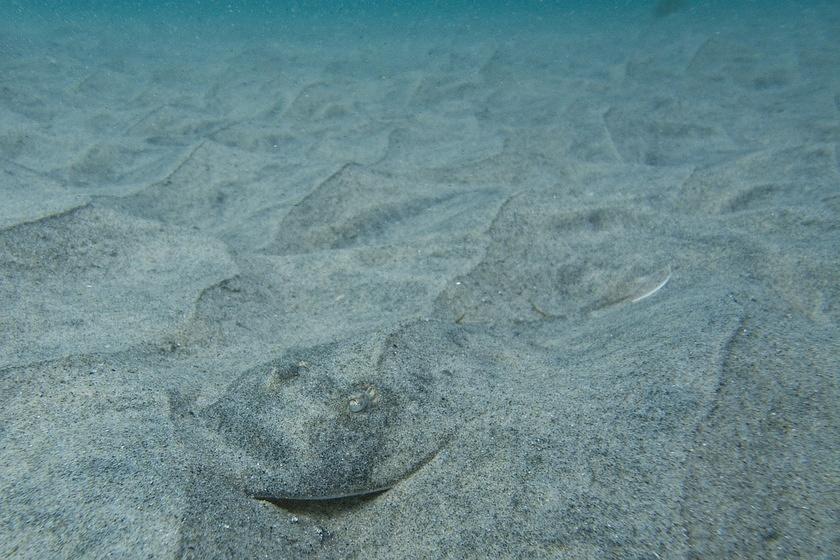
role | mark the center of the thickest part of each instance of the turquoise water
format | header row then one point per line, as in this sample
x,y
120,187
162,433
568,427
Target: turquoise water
x,y
358,19
261,14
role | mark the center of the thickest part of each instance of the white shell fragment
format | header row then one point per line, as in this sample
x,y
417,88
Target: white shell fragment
x,y
652,283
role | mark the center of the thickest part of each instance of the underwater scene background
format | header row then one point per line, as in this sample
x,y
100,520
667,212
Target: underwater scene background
x,y
419,279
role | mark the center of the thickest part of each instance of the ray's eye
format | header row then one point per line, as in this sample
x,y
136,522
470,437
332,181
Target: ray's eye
x,y
358,402
278,375
361,400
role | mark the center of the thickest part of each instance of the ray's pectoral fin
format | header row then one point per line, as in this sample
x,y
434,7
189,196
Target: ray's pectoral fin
x,y
346,498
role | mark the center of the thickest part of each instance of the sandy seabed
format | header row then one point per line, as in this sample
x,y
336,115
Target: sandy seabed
x,y
551,289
